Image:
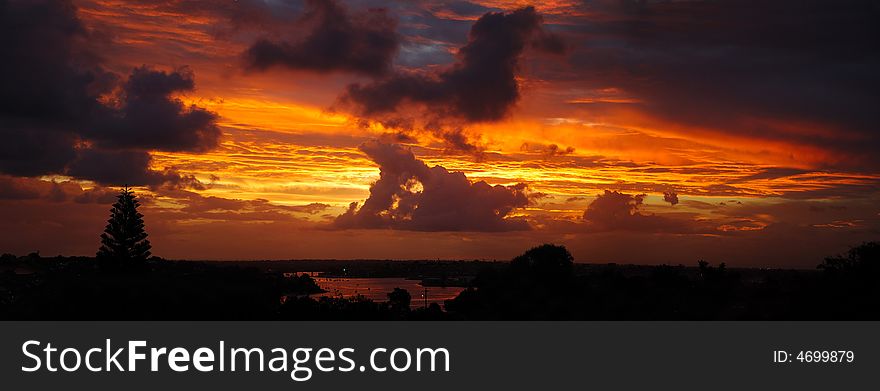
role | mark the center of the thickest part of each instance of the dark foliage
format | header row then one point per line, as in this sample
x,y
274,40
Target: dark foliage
x,y
541,284
852,281
124,239
399,300
862,260
77,288
847,289
546,262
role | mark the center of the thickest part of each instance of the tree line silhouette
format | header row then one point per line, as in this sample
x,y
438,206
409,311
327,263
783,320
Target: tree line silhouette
x,y
123,281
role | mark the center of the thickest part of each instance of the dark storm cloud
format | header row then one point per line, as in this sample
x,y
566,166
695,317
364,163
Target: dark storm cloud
x,y
480,86
409,195
548,150
150,118
799,71
53,116
456,140
331,38
30,149
41,90
616,211
125,167
16,188
45,72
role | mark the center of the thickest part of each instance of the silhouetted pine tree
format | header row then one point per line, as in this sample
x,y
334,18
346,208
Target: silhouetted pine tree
x,y
124,238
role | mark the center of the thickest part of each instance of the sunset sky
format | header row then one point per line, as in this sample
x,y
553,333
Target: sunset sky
x,y
631,131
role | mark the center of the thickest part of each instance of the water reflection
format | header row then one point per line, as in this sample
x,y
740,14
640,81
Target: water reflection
x,y
377,289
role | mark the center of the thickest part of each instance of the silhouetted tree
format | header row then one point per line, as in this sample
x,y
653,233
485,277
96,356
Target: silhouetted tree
x,y
712,274
545,261
849,287
124,239
862,260
399,300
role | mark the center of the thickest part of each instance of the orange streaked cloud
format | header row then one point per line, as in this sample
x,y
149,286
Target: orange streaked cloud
x,y
611,109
